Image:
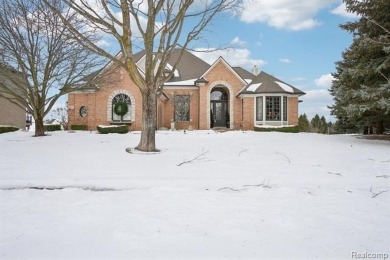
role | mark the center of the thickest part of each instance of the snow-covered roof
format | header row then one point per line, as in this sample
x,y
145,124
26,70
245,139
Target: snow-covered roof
x,y
265,83
253,87
285,87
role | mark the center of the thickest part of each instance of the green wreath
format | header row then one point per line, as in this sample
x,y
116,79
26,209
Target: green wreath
x,y
121,108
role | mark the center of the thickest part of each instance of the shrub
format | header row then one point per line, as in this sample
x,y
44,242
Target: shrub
x,y
78,127
7,129
51,128
120,129
284,129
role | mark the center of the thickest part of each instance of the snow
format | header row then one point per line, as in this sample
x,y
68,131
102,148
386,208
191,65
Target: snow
x,y
254,87
189,82
285,87
109,126
274,126
251,195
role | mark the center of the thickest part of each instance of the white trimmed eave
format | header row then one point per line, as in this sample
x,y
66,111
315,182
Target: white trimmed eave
x,y
268,94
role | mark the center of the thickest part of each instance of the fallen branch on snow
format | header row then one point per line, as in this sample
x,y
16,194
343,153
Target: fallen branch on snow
x,y
335,173
198,158
242,151
373,194
229,188
263,184
284,157
383,176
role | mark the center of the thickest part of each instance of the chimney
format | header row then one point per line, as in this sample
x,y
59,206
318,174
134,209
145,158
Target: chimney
x,y
255,70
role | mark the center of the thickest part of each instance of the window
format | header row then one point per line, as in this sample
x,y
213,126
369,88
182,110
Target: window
x,y
284,108
121,108
182,108
83,111
259,108
218,94
272,107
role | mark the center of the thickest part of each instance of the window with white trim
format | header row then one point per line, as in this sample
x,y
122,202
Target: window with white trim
x,y
259,108
272,108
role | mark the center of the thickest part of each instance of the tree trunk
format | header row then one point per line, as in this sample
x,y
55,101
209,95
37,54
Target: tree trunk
x,y
380,127
39,128
149,108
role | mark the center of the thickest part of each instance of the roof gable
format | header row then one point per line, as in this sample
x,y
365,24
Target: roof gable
x,y
227,65
266,83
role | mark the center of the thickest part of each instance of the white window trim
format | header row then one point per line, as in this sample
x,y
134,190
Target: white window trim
x,y
109,104
282,121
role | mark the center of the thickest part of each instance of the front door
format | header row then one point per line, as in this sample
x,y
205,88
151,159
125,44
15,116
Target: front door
x,y
219,115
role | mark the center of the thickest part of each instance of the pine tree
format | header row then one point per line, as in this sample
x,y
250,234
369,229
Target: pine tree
x,y
361,89
303,123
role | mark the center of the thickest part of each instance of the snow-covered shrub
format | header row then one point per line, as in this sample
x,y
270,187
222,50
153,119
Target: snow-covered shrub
x,y
78,127
284,129
7,128
51,128
120,129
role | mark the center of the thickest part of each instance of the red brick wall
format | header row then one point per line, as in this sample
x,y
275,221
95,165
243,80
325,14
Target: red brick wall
x,y
292,110
194,108
243,115
96,102
248,113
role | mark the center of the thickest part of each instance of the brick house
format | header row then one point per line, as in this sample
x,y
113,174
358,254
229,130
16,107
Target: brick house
x,y
198,96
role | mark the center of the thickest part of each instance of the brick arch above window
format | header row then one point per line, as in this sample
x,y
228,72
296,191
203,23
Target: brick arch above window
x,y
110,99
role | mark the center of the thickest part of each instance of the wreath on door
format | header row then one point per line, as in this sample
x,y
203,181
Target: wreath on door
x,y
121,108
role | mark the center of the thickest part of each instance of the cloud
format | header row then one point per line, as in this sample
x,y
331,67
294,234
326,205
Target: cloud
x,y
298,79
238,42
325,81
285,60
284,14
342,11
316,102
237,57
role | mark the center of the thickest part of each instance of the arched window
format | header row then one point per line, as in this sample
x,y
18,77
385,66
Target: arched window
x,y
121,108
218,94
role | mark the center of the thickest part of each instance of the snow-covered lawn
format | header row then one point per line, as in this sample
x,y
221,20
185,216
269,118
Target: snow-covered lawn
x,y
248,195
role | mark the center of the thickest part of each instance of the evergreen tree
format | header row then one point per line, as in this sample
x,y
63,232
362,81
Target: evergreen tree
x,y
319,125
323,125
315,124
361,89
303,123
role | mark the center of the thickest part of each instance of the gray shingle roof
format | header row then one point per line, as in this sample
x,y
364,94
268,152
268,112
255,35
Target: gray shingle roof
x,y
189,67
243,73
265,83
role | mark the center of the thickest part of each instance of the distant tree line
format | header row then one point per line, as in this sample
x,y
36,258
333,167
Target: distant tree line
x,y
316,125
319,125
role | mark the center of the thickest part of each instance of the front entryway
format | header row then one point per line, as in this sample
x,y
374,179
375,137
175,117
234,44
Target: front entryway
x,y
219,114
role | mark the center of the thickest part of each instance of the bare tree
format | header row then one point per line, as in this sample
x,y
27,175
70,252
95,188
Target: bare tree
x,y
156,26
61,114
40,59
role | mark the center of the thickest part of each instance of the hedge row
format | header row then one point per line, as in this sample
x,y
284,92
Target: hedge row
x,y
7,129
286,129
120,129
78,127
51,128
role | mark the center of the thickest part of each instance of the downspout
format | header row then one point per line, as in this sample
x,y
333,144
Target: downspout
x,y
198,108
